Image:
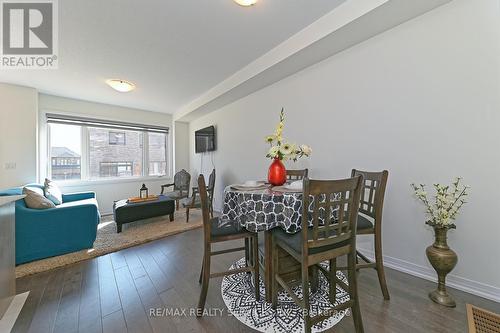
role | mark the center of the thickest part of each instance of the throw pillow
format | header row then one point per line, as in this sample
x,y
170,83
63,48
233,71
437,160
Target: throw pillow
x,y
36,189
36,201
52,192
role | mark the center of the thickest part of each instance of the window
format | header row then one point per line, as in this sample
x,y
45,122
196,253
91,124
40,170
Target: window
x,y
65,152
101,152
89,149
117,138
157,154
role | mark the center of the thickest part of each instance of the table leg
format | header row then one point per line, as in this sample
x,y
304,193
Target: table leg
x,y
268,264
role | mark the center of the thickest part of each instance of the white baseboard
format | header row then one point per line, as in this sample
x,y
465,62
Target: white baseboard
x,y
10,316
454,281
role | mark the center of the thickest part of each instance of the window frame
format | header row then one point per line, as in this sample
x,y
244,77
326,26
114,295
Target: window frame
x,y
85,157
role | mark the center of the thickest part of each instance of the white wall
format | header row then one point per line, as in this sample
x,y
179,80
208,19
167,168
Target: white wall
x,y
421,100
107,191
18,128
181,145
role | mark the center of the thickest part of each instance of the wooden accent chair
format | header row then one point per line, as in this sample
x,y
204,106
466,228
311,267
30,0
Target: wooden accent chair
x,y
370,219
292,175
182,179
216,231
194,201
336,202
482,321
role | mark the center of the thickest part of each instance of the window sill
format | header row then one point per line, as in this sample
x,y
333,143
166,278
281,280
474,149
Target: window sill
x,y
80,183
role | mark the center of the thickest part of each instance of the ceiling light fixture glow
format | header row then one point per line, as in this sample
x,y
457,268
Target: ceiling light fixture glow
x,y
246,3
121,85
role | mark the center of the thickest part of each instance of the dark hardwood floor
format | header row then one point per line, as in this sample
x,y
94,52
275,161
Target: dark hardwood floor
x,y
115,293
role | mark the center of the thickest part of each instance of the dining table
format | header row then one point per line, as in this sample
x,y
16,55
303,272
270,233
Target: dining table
x,y
261,208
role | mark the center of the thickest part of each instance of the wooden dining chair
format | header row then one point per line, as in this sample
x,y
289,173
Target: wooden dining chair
x,y
370,220
336,203
292,175
194,201
216,230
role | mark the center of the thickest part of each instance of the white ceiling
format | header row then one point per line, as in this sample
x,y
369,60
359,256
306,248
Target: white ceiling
x,y
173,50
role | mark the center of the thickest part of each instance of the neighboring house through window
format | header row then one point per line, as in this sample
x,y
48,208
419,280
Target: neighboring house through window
x,y
66,164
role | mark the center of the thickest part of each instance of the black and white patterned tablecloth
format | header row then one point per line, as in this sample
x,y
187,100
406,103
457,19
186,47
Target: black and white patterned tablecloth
x,y
265,209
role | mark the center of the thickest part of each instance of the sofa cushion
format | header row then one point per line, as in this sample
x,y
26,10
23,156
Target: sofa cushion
x,y
36,200
78,203
37,190
52,192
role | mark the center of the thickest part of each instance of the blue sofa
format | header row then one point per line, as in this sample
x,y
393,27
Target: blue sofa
x,y
70,227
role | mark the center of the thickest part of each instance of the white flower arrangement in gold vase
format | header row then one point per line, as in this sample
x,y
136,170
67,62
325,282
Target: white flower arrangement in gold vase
x,y
441,214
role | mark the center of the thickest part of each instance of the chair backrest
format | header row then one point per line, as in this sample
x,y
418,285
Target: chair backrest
x,y
205,204
332,205
182,179
211,186
296,174
372,193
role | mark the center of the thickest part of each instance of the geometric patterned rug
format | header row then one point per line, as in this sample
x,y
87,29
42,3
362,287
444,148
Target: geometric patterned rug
x,y
238,293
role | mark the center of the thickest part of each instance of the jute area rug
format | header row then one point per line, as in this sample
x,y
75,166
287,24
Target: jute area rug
x,y
108,240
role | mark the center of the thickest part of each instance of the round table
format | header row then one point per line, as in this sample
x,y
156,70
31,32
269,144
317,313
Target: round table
x,y
267,208
263,209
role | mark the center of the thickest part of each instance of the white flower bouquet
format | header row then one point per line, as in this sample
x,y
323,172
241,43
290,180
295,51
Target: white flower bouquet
x,y
285,150
447,203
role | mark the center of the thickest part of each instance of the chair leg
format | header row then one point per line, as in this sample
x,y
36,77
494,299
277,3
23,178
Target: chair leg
x,y
247,252
305,293
187,215
332,294
274,284
314,278
205,280
353,292
255,260
176,204
201,271
379,265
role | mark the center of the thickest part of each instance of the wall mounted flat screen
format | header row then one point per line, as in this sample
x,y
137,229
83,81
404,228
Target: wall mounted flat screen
x,y
205,139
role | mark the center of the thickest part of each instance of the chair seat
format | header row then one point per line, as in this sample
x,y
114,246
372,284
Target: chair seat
x,y
294,241
364,223
177,194
188,202
225,227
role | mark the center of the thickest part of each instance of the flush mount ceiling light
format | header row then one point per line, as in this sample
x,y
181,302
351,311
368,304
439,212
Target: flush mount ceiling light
x,y
121,85
246,3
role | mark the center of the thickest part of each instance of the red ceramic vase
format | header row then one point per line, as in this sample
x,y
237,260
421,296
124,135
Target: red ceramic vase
x,y
277,173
